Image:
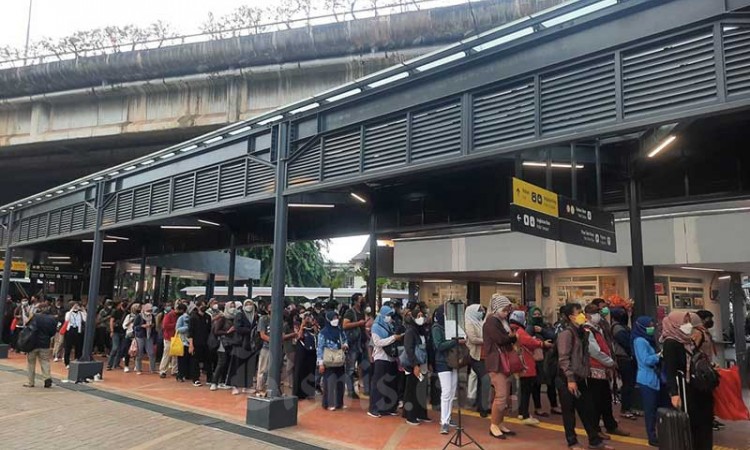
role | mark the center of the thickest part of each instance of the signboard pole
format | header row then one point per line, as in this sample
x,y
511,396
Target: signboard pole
x,y
638,280
4,288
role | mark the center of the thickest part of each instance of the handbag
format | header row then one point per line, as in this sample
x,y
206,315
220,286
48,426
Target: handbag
x,y
510,362
538,354
27,339
13,324
175,347
333,357
133,350
419,353
458,356
64,328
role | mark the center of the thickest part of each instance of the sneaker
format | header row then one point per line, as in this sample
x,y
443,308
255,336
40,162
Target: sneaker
x,y
138,372
67,367
126,369
109,369
48,383
444,428
530,421
332,408
163,375
213,387
197,383
394,414
375,415
426,420
57,359
224,387
415,423
235,391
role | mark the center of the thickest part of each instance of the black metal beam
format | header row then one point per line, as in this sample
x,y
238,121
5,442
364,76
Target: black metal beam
x,y
5,285
232,263
94,277
141,276
372,276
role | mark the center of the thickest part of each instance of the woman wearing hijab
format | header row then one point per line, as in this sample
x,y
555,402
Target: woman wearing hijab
x,y
415,391
244,357
498,336
448,376
626,366
677,346
144,331
222,326
332,337
649,361
383,393
474,315
528,377
305,357
543,331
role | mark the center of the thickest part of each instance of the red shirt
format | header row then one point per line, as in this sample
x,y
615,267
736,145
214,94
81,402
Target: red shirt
x,y
168,325
528,344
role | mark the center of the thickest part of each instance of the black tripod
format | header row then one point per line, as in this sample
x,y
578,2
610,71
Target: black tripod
x,y
460,438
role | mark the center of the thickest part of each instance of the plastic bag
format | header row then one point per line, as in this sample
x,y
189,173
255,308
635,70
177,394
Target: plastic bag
x,y
728,403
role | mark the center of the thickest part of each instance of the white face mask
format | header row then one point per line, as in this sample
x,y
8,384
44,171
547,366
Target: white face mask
x,y
686,328
419,321
231,311
335,323
248,309
388,319
368,310
215,307
595,319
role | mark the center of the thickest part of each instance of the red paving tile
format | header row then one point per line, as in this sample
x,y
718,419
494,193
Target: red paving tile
x,y
352,428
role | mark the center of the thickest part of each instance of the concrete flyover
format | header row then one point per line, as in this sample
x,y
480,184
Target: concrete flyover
x,y
85,114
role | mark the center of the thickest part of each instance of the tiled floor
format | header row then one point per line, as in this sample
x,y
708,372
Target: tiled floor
x,y
352,428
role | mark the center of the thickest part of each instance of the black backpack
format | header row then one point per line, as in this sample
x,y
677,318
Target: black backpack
x,y
550,365
27,338
703,377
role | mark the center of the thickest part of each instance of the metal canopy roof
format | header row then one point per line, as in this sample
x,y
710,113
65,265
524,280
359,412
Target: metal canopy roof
x,y
584,69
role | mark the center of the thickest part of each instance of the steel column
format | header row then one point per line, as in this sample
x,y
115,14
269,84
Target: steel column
x,y
548,169
156,296
232,263
638,272
94,276
165,295
5,286
372,276
597,157
210,284
279,265
142,277
573,174
737,298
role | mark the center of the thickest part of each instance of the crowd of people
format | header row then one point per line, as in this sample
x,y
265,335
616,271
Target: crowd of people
x,y
403,358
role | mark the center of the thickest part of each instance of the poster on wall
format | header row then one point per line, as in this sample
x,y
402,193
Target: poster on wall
x,y
677,301
663,300
698,302
661,313
608,287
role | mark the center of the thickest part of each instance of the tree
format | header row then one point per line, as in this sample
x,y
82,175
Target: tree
x,y
335,278
305,265
380,284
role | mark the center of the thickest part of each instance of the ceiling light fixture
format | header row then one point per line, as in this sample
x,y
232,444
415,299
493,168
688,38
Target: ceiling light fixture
x,y
703,269
271,119
70,188
58,257
106,241
554,165
188,148
725,277
240,130
437,281
118,238
59,191
168,155
311,205
112,174
662,146
343,95
307,107
213,139
180,227
208,222
509,283
359,198
147,162
99,178
516,274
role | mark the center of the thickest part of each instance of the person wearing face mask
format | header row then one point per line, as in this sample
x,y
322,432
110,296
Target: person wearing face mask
x,y
448,376
414,363
200,328
222,327
678,342
182,329
354,325
213,308
168,324
498,336
623,354
244,356
383,394
705,343
527,344
543,331
264,330
602,371
305,357
573,370
653,396
76,324
473,322
331,337
143,329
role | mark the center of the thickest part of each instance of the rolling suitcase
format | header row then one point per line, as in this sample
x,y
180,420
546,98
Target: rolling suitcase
x,y
673,426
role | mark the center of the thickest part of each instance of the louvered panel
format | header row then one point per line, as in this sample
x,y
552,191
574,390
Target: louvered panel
x,y
737,59
232,180
66,220
43,221
260,178
34,228
436,133
110,212
24,235
385,145
305,168
54,223
160,198
141,200
577,97
79,211
14,237
124,206
670,74
182,197
207,189
341,155
90,220
504,115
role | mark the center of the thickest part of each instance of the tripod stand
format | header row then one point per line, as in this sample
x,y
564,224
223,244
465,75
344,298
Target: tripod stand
x,y
457,440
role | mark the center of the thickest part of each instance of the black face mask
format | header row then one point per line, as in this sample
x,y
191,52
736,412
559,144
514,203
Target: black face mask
x,y
537,321
709,323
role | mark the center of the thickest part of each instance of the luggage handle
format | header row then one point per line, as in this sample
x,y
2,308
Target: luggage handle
x,y
682,390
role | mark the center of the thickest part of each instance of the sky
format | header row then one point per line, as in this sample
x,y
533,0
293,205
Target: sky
x,y
58,18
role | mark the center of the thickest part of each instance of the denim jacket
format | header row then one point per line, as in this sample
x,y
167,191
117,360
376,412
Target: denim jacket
x,y
182,328
648,362
335,344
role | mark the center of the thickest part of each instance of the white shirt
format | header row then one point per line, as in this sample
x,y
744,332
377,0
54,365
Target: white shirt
x,y
75,319
378,354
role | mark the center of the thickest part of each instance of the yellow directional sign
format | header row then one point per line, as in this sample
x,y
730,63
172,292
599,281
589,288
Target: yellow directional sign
x,y
534,198
15,266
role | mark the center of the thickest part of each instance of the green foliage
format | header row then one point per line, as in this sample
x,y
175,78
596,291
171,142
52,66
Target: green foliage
x,y
305,265
335,278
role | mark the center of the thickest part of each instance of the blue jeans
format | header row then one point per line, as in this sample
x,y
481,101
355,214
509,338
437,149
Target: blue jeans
x,y
652,401
352,358
115,351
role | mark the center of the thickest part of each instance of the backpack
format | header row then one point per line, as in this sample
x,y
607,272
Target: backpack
x,y
703,377
27,338
550,365
617,349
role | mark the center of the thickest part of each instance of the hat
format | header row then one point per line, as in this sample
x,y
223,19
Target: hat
x,y
498,302
519,317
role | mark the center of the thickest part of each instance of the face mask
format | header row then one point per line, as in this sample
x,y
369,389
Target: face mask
x,y
368,310
686,328
605,311
419,321
650,331
335,323
595,319
537,321
388,319
709,324
248,309
167,308
231,311
580,319
215,307
24,303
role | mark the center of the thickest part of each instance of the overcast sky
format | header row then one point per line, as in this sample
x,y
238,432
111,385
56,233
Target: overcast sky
x,y
57,18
